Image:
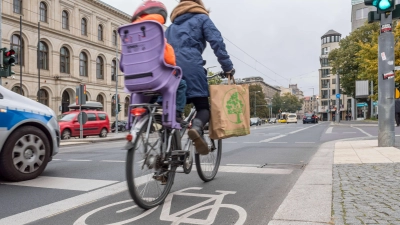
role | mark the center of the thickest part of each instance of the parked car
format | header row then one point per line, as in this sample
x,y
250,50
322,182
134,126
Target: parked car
x,y
97,124
121,126
272,120
292,118
310,118
29,136
255,121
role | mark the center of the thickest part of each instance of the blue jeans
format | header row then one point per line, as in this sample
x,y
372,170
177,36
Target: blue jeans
x,y
180,97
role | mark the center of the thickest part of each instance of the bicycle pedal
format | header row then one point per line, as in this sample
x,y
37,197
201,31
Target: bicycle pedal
x,y
178,152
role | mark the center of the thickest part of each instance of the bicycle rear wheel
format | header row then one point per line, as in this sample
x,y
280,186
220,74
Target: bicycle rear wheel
x,y
149,179
207,165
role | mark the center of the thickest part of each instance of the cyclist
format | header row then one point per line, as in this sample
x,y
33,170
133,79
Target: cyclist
x,y
191,28
156,11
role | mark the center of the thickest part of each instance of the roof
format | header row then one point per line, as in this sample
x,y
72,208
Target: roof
x,y
88,105
331,33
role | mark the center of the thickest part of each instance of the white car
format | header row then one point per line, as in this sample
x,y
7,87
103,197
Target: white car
x,y
292,118
29,136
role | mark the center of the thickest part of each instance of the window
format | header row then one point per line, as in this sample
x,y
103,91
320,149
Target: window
x,y
324,103
362,13
83,64
43,56
325,94
115,38
325,51
325,73
334,81
65,20
17,44
44,97
83,26
126,107
17,6
100,33
325,62
99,68
325,83
102,116
43,12
91,117
113,70
64,60
100,99
333,91
18,90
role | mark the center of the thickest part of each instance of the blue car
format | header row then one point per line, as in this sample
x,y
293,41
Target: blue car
x,y
29,136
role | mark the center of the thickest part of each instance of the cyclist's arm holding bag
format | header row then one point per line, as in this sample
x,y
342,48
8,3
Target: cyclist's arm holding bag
x,y
230,110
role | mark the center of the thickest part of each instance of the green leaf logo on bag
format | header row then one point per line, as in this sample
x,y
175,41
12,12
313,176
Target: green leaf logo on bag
x,y
234,106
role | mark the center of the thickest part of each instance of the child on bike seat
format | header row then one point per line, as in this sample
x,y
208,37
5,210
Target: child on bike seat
x,y
156,11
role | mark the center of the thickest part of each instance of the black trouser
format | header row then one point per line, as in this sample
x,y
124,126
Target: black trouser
x,y
397,118
202,108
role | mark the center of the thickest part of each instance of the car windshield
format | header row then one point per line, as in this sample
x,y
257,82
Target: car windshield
x,y
308,114
67,117
291,116
253,119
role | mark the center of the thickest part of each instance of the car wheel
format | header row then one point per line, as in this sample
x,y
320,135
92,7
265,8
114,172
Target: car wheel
x,y
66,134
123,129
25,154
103,133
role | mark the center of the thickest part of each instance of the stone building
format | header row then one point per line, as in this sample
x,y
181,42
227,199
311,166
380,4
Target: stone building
x,y
78,44
268,90
310,104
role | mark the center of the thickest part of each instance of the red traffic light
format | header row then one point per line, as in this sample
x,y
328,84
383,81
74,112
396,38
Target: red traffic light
x,y
10,53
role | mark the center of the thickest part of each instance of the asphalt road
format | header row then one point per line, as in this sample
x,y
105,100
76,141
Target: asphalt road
x,y
86,184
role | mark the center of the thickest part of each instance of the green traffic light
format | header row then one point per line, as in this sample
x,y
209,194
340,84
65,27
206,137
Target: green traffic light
x,y
384,4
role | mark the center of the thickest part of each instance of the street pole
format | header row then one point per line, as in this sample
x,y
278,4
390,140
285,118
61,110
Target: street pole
x,y
255,104
38,62
337,99
20,55
372,101
329,101
386,86
116,88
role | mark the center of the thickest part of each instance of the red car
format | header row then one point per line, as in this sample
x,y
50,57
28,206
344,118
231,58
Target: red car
x,y
97,124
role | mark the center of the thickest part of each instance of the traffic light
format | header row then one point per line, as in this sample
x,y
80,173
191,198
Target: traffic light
x,y
8,60
119,107
383,6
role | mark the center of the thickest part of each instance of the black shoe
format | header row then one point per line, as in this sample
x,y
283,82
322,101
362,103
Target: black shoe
x,y
196,135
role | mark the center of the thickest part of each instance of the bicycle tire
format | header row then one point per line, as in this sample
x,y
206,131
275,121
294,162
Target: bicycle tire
x,y
130,165
207,176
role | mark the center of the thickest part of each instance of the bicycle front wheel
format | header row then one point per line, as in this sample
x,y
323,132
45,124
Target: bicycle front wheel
x,y
149,179
207,165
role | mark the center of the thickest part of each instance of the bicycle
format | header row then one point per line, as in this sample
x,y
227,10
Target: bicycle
x,y
162,154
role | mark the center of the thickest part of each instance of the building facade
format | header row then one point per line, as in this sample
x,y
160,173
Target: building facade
x,y
327,81
78,45
268,90
310,104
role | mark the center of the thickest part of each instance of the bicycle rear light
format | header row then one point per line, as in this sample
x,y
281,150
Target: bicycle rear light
x,y
138,111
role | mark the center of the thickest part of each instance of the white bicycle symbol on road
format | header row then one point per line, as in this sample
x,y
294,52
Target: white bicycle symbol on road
x,y
182,216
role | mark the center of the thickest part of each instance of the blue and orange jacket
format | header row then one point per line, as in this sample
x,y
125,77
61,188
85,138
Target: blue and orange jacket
x,y
169,53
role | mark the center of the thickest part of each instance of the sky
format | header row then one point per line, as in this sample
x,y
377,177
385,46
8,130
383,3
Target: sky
x,y
277,40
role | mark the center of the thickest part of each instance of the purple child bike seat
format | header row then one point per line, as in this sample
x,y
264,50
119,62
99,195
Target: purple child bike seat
x,y
145,71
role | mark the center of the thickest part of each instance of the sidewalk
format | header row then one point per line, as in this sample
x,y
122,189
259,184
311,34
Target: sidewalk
x,y
346,182
94,139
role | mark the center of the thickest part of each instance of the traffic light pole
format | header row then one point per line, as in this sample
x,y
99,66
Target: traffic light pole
x,y
337,113
386,135
116,88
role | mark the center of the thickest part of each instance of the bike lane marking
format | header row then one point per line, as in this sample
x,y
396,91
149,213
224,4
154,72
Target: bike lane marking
x,y
284,135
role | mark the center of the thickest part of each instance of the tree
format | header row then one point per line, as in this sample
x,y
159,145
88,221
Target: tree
x,y
290,103
257,100
235,106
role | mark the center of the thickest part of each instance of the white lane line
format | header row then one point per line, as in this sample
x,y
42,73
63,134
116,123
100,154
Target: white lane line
x,y
273,138
329,130
253,170
256,142
79,160
248,165
293,132
126,209
63,183
113,161
362,131
349,132
56,159
305,142
277,142
64,205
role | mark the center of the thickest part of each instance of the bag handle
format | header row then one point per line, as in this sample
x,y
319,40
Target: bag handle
x,y
229,80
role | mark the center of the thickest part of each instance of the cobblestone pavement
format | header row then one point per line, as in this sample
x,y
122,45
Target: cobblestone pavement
x,y
366,194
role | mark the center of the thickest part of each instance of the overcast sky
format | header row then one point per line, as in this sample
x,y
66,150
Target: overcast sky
x,y
277,40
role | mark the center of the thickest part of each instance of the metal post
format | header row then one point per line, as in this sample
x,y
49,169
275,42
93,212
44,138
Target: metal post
x,y
81,118
372,101
38,62
116,88
337,117
329,100
20,55
255,104
386,86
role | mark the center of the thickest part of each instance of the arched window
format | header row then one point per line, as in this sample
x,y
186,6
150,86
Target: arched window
x,y
115,38
64,60
100,99
43,97
83,26
113,105
126,107
83,64
17,44
18,90
17,6
65,20
43,12
99,68
113,69
100,33
43,56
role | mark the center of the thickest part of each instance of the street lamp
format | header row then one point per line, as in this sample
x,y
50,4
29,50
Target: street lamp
x,y
255,103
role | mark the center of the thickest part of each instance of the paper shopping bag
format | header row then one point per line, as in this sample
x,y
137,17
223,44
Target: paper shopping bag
x,y
230,111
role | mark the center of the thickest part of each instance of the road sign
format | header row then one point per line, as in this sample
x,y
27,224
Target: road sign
x,y
337,95
84,118
397,68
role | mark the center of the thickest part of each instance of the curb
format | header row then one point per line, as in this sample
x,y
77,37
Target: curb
x,y
94,140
